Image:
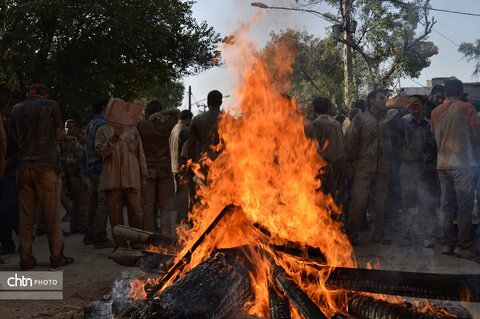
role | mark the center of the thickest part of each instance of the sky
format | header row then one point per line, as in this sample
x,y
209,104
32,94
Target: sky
x,y
225,17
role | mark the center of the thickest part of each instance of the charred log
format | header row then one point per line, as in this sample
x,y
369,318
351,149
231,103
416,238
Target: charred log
x,y
363,307
217,288
186,257
411,284
279,307
302,302
292,248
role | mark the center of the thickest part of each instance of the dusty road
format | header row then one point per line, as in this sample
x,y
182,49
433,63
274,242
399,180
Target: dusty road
x,y
93,274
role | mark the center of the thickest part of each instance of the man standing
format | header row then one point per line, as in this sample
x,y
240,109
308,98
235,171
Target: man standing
x,y
178,137
328,133
155,132
418,154
97,215
457,131
72,182
367,152
437,96
36,125
204,129
124,170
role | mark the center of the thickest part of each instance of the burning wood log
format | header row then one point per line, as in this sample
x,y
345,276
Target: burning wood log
x,y
279,307
308,309
186,257
401,283
292,248
363,307
217,288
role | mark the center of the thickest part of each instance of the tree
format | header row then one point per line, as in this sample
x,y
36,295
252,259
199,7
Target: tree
x,y
471,52
81,49
386,38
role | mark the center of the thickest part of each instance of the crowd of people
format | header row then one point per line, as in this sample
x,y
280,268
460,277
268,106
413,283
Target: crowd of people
x,y
430,144
428,147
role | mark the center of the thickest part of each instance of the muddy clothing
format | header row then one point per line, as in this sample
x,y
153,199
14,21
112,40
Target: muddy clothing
x,y
428,109
93,160
97,211
178,140
123,170
204,132
70,154
124,163
179,135
33,123
368,148
368,144
116,198
417,177
96,224
328,134
455,125
417,141
155,134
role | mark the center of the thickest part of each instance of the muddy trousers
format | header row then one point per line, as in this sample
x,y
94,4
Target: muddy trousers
x,y
156,197
458,191
78,215
365,186
39,185
96,227
115,199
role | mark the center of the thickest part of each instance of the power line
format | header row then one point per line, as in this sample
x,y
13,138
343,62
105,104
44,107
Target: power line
x,y
436,9
456,12
443,35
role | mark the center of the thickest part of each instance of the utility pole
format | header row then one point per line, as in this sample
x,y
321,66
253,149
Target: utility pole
x,y
190,98
347,51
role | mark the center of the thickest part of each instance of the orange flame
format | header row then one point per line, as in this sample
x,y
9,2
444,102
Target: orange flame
x,y
268,168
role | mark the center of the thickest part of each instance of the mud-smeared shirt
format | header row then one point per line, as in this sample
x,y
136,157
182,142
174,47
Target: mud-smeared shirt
x,y
33,124
455,125
368,144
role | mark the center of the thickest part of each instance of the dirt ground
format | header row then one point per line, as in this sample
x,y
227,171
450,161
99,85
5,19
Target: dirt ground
x,y
93,274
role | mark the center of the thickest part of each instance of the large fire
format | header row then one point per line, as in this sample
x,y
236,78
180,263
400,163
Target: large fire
x,y
268,168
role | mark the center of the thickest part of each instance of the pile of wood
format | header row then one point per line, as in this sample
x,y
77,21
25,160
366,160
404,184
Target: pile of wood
x,y
220,287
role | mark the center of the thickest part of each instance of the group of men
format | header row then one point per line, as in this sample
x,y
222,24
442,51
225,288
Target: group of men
x,y
438,147
109,166
104,168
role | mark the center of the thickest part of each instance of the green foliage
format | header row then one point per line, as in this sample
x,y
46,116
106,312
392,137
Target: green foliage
x,y
81,49
471,52
390,40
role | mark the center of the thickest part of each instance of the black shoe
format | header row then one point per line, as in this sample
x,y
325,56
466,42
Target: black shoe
x,y
63,262
107,243
25,266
